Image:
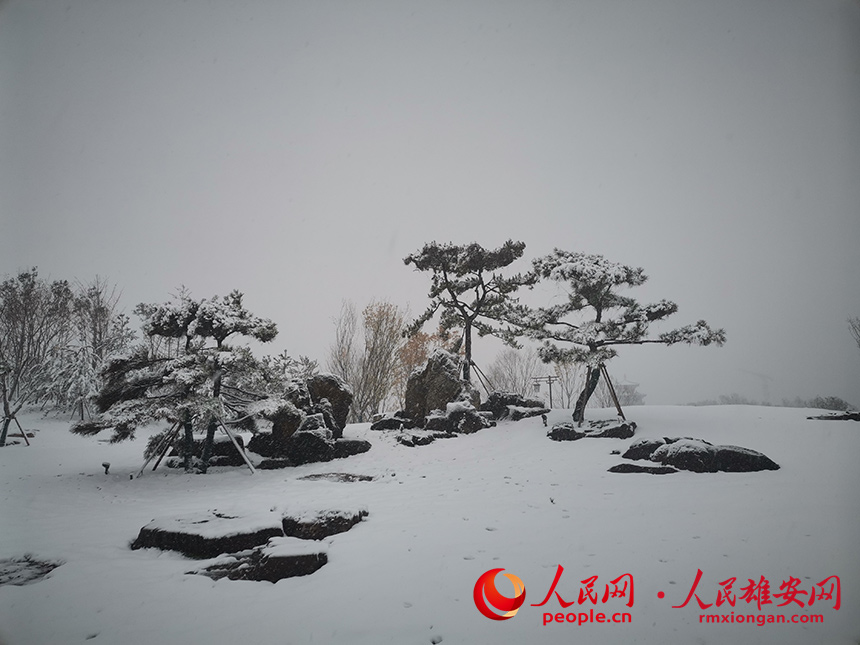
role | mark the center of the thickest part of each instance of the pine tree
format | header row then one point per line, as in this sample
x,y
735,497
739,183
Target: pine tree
x,y
467,290
595,318
185,387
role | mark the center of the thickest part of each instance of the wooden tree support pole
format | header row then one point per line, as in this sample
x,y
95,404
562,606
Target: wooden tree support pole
x,y
23,434
482,378
161,446
168,444
612,391
236,444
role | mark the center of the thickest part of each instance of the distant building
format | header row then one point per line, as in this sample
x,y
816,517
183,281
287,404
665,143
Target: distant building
x,y
627,392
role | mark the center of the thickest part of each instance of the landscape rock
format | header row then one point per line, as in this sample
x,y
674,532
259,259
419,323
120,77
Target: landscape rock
x,y
313,422
397,421
209,534
700,456
275,463
280,558
517,413
387,423
610,429
687,454
638,468
437,385
439,423
266,444
317,526
338,477
285,421
838,416
643,448
505,405
309,446
565,432
339,395
414,438
734,459
348,447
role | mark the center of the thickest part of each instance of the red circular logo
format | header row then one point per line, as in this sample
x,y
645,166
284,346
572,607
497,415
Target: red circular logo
x,y
486,588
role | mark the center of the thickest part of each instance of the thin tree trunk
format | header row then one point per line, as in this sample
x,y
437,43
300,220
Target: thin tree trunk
x,y
213,425
189,443
6,423
467,339
207,445
591,380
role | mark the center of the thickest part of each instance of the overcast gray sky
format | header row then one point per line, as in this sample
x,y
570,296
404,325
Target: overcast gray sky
x,y
298,151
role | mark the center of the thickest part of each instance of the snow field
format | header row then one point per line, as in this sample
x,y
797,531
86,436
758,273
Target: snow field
x,y
439,517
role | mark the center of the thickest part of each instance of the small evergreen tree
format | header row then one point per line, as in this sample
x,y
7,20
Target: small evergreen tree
x,y
595,319
468,291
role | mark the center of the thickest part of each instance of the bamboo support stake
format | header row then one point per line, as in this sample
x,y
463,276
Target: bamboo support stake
x,y
612,392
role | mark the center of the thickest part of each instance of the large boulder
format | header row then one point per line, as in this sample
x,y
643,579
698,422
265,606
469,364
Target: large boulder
x,y
687,454
643,448
208,534
338,394
733,459
699,456
286,420
309,446
437,385
349,447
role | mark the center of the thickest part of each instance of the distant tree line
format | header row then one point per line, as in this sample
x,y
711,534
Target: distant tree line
x,y
818,402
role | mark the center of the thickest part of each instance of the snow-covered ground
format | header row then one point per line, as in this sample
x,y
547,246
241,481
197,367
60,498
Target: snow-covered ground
x,y
440,516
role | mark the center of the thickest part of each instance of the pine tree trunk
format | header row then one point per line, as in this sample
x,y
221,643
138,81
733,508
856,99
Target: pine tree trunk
x,y
591,381
467,339
207,445
6,423
189,444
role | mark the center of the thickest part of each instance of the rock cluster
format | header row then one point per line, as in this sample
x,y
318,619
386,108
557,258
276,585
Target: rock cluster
x,y
507,405
697,455
436,385
307,426
263,548
439,404
606,429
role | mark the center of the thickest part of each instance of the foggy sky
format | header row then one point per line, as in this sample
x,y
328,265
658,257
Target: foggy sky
x,y
298,151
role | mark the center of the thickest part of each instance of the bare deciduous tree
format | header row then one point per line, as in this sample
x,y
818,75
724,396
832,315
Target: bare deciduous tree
x,y
97,331
854,324
34,318
570,379
513,371
369,362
